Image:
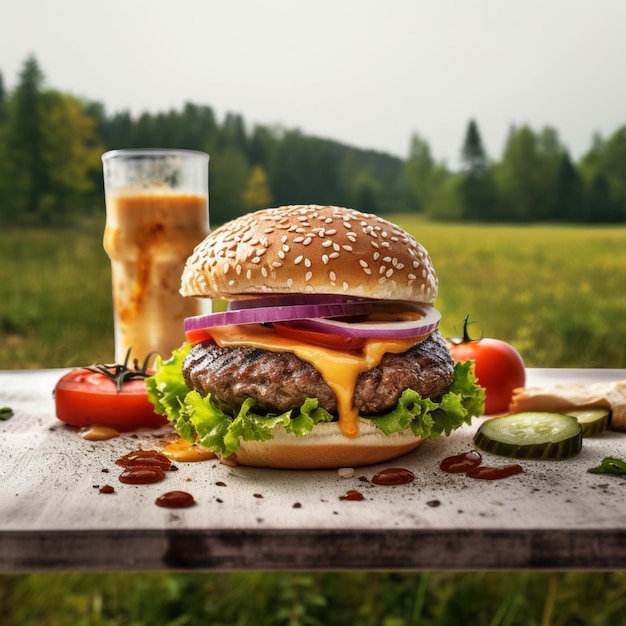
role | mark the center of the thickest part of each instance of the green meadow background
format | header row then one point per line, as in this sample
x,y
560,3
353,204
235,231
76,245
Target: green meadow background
x,y
557,293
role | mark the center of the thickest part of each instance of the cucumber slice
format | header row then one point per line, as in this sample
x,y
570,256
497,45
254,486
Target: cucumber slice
x,y
593,421
531,435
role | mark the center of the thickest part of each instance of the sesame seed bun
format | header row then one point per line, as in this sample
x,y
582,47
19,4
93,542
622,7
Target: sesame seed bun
x,y
325,447
310,249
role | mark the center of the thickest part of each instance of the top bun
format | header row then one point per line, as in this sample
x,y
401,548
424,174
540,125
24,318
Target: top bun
x,y
310,249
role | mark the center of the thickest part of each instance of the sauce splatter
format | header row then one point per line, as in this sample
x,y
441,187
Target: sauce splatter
x,y
393,476
142,475
98,433
175,500
144,458
186,452
352,495
461,462
484,472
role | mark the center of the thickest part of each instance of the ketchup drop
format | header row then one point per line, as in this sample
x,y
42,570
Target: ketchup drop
x,y
484,472
144,458
461,462
175,500
393,476
142,474
352,495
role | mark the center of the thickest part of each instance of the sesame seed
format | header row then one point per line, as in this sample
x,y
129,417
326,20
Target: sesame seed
x,y
333,255
346,286
226,267
281,254
264,272
326,243
348,248
298,240
325,259
331,231
298,260
362,263
307,262
307,241
332,276
255,260
308,276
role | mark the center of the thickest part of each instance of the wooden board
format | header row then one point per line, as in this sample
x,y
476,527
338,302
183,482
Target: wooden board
x,y
53,517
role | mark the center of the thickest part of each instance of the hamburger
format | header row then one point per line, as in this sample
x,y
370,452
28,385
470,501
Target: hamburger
x,y
328,353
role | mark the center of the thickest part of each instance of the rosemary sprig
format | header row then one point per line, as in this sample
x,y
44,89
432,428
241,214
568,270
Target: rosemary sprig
x,y
120,373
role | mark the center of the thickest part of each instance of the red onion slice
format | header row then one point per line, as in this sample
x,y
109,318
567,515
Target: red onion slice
x,y
291,299
263,315
385,330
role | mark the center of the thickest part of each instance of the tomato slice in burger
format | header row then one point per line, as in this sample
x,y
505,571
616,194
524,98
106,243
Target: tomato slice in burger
x,y
197,336
293,330
87,398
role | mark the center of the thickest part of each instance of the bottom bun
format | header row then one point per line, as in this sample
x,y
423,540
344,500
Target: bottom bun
x,y
325,447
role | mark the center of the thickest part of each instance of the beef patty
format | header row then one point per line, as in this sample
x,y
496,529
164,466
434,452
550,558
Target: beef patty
x,y
279,381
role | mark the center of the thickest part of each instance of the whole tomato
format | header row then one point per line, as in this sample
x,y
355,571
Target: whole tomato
x,y
498,367
89,397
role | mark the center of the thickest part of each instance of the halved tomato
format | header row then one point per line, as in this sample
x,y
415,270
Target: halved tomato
x,y
293,330
87,398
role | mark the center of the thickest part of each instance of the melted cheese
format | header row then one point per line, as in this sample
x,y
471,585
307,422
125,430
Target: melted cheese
x,y
338,368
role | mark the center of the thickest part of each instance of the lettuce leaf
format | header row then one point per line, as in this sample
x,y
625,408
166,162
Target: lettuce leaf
x,y
200,419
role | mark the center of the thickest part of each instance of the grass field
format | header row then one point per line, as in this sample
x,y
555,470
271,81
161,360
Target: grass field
x,y
556,293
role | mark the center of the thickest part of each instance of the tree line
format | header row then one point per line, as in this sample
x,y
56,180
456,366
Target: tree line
x,y
51,143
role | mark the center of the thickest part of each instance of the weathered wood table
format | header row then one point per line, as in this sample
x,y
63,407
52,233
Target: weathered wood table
x,y
53,517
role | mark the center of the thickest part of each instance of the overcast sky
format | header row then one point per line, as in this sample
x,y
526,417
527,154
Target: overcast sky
x,y
367,73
